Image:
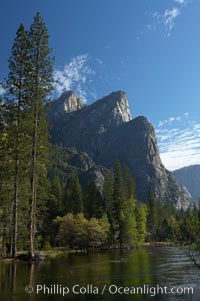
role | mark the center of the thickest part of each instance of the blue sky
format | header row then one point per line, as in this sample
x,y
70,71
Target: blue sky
x,y
148,48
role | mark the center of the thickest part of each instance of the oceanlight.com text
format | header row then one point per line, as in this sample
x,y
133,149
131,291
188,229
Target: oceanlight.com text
x,y
112,289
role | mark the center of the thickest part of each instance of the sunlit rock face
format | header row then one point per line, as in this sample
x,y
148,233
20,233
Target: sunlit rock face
x,y
66,103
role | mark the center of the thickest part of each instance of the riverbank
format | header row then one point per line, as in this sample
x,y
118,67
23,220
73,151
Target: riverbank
x,y
59,252
40,255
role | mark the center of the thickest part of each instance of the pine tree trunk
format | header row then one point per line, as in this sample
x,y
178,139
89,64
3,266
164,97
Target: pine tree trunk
x,y
33,185
15,206
16,191
16,195
4,249
34,161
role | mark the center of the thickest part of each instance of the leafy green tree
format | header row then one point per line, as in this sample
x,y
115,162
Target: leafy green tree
x,y
192,223
141,220
96,234
66,234
81,235
173,228
130,236
75,231
105,225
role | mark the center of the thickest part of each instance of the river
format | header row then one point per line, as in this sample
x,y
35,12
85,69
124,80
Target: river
x,y
113,275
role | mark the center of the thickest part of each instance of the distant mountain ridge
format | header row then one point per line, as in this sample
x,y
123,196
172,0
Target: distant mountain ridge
x,y
189,176
106,131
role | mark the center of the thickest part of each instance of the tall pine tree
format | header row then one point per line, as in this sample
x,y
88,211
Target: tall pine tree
x,y
40,85
118,203
108,194
17,90
93,203
74,195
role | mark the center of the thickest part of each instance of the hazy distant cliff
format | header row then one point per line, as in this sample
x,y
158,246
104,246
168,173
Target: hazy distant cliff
x,y
189,177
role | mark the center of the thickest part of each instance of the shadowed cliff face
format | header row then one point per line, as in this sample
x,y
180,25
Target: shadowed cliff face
x,y
106,131
135,145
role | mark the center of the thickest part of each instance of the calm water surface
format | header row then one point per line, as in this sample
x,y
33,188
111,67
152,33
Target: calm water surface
x,y
166,266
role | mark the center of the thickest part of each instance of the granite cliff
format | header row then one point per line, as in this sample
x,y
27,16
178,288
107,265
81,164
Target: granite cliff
x,y
106,131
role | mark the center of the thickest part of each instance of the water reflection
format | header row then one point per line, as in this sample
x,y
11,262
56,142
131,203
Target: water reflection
x,y
165,266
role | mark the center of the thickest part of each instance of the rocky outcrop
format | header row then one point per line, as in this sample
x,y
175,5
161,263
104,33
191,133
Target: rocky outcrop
x,y
106,132
96,175
87,170
67,102
189,176
81,161
66,160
